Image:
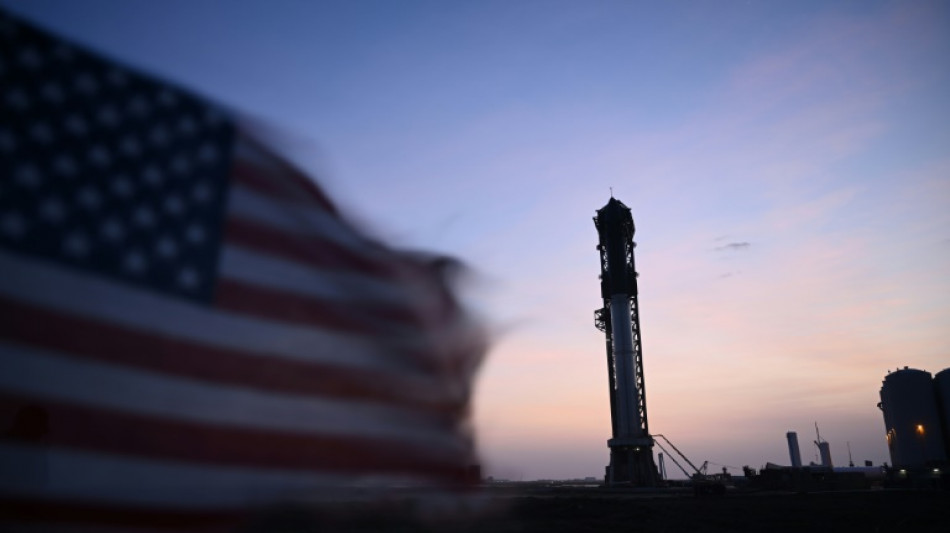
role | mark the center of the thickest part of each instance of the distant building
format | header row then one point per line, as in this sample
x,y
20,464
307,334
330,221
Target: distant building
x,y
915,408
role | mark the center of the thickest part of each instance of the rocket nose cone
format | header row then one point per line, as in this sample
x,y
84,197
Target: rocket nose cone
x,y
615,214
614,208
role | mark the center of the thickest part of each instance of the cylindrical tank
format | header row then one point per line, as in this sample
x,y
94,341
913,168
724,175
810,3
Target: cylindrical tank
x,y
793,451
824,449
911,419
942,390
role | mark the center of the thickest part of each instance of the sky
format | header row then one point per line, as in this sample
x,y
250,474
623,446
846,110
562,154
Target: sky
x,y
787,165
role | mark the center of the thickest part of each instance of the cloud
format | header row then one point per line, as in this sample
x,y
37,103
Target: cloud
x,y
734,246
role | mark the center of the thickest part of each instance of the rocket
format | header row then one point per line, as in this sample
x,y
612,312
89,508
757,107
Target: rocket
x,y
631,444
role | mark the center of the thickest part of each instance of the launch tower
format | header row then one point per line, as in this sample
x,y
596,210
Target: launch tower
x,y
631,447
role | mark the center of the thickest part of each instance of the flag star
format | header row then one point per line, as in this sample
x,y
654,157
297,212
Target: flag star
x,y
166,247
53,92
180,164
8,28
138,107
76,125
186,125
13,225
117,77
188,278
201,193
208,153
89,198
64,52
212,116
99,155
174,205
64,165
152,175
86,83
76,244
167,97
52,210
28,175
112,230
122,186
30,58
195,234
130,146
159,135
7,141
17,99
41,133
134,262
108,115
144,216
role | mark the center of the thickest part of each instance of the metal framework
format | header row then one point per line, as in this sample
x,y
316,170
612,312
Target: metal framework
x,y
631,447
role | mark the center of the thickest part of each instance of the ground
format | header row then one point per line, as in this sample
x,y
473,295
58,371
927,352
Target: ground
x,y
528,508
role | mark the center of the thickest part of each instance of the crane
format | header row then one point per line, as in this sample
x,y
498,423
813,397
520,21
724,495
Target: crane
x,y
702,483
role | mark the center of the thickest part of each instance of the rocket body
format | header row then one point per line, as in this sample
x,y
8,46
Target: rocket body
x,y
627,395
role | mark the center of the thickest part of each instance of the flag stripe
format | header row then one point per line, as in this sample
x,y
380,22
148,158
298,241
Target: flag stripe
x,y
95,477
246,265
66,379
294,217
310,250
79,337
247,299
261,170
39,283
110,431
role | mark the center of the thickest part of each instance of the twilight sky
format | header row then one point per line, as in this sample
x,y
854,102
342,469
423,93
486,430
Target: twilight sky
x,y
787,164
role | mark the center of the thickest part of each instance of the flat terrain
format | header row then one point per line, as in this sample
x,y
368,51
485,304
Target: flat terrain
x,y
599,510
526,508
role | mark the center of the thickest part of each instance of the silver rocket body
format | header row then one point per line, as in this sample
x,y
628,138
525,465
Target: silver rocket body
x,y
629,423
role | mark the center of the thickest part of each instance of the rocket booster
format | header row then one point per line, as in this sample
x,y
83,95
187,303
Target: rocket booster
x,y
618,287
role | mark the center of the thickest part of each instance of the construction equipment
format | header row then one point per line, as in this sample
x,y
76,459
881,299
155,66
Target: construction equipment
x,y
702,483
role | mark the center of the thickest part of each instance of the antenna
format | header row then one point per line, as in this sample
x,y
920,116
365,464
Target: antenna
x,y
611,192
850,461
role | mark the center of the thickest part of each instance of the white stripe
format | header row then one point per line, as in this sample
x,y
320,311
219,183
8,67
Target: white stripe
x,y
273,272
52,375
98,478
294,218
61,288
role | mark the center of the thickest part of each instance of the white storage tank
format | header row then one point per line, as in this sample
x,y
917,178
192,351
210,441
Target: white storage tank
x,y
794,454
911,418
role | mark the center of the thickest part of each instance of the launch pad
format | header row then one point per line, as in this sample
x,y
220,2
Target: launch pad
x,y
631,446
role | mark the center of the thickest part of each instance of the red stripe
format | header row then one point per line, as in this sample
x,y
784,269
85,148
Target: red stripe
x,y
73,513
277,178
285,306
310,250
110,431
88,339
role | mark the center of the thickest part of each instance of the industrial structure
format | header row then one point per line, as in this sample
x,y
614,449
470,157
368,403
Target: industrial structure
x,y
631,446
916,409
794,453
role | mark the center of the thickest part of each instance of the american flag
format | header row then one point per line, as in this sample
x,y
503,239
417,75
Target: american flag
x,y
188,326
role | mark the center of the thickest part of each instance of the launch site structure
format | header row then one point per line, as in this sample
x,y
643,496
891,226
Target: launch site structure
x,y
631,446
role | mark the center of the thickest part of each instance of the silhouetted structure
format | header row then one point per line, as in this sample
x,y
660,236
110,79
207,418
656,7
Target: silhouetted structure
x,y
912,419
631,447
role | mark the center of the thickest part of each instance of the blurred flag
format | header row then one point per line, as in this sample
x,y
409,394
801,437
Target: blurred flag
x,y
188,326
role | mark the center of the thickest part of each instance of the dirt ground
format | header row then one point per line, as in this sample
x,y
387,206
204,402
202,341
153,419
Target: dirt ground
x,y
775,513
556,510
